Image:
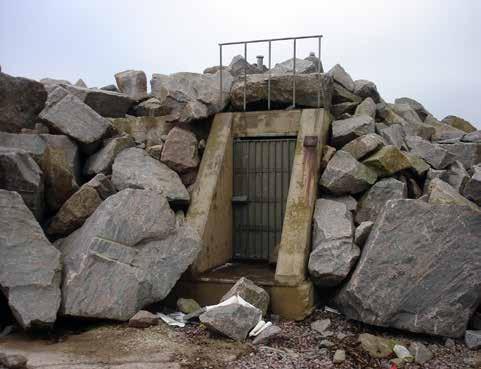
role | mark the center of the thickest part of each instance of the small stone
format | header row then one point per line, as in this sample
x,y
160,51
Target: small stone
x,y
472,339
143,319
187,306
420,352
400,363
326,343
377,347
320,325
449,342
267,334
13,361
339,356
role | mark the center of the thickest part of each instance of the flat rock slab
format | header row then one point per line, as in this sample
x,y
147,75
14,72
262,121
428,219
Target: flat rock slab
x,y
429,282
135,168
30,267
331,220
133,236
364,145
21,101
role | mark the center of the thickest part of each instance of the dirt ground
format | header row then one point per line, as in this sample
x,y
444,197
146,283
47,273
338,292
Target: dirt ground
x,y
116,346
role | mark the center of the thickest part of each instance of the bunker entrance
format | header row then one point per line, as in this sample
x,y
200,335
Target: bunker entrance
x,y
261,176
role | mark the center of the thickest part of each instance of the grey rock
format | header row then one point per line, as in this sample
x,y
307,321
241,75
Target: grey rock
x,y
345,175
251,293
239,65
307,89
339,110
387,161
467,153
346,130
267,334
132,83
377,347
472,188
442,193
180,150
20,173
348,200
149,108
472,339
155,151
106,103
406,112
80,206
134,168
102,160
339,357
320,326
54,81
367,107
191,96
30,266
364,145
415,105
148,130
331,220
420,352
342,95
188,306
80,83
422,290
21,100
133,236
234,321
13,361
443,131
342,77
143,319
327,154
326,343
417,165
434,155
472,137
68,114
362,233
459,123
365,89
394,135
374,200
302,67
456,175
112,88
332,261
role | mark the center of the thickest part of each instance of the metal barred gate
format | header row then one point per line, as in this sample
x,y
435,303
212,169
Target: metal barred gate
x,y
262,172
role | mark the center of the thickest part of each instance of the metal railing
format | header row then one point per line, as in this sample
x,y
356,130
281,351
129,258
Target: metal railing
x,y
269,41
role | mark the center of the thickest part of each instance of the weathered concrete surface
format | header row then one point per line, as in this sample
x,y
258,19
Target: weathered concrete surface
x,y
21,100
30,265
296,231
259,123
146,252
210,211
429,282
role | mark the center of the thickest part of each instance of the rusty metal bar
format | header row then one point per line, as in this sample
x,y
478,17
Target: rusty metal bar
x,y
269,39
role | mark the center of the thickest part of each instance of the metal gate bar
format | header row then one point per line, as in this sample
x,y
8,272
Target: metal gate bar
x,y
269,41
262,170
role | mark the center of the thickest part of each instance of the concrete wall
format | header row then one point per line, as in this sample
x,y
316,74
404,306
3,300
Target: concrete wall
x,y
210,212
266,123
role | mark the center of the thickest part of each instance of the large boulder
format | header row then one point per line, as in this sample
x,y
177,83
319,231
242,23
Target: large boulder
x,y
132,236
373,201
149,108
191,96
250,292
106,103
442,131
474,136
238,66
334,252
428,282
456,175
133,83
434,155
69,115
415,105
81,205
367,107
440,192
365,89
102,160
345,175
21,100
180,150
302,67
459,123
346,130
30,268
393,135
234,320
387,161
472,188
341,95
148,130
20,173
340,76
467,153
307,91
135,168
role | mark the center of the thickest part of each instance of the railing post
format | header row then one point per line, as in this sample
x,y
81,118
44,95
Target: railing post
x,y
294,77
220,77
269,81
245,75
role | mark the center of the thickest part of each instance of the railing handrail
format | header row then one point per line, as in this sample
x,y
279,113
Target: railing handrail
x,y
269,41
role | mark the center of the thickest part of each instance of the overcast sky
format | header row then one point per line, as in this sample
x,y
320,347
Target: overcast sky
x,y
427,50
